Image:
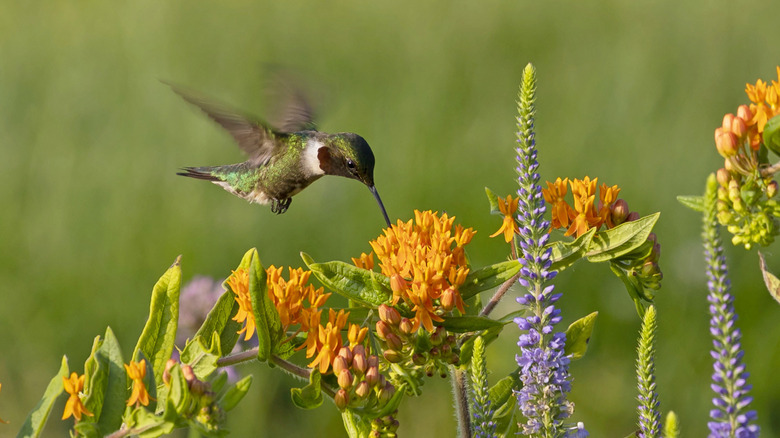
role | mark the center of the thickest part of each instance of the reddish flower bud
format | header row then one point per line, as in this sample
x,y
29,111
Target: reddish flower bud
x,y
418,359
406,326
359,362
727,145
383,329
386,393
454,359
392,356
394,342
718,132
345,379
339,364
438,335
389,315
346,353
619,211
189,375
167,372
447,299
738,127
723,176
632,216
744,113
372,376
341,399
362,390
727,119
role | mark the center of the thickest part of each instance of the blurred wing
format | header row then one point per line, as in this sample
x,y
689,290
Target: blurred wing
x,y
254,138
292,106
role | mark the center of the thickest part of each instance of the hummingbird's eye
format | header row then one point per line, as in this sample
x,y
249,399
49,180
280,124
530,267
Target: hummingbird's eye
x,y
350,164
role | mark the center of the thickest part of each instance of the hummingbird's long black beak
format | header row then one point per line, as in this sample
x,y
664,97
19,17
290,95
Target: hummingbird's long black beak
x,y
382,206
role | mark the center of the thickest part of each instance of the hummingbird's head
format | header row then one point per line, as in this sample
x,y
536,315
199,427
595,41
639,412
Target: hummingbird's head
x,y
348,155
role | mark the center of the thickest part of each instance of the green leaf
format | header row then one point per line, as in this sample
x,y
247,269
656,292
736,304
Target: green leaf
x,y
578,336
36,419
235,393
219,321
178,397
488,277
393,403
148,424
267,320
618,241
463,324
202,356
505,405
633,287
106,384
488,336
695,203
355,424
503,389
565,254
362,286
772,283
772,134
493,200
159,334
310,396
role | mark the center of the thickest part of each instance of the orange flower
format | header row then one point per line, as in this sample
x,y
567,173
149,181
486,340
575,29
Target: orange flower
x,y
329,340
423,258
136,371
585,216
239,284
509,227
365,261
607,197
356,334
288,295
73,386
766,102
554,195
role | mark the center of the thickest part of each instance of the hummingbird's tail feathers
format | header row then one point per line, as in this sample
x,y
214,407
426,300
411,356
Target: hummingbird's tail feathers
x,y
203,173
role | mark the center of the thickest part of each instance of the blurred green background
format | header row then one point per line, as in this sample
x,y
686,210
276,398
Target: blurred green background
x,y
630,92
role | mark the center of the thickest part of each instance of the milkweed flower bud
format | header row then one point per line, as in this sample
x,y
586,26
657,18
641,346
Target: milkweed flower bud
x,y
619,211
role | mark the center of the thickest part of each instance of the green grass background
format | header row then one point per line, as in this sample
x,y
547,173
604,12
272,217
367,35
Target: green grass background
x,y
630,92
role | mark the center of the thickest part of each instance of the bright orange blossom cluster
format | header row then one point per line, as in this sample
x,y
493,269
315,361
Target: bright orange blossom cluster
x,y
425,262
585,214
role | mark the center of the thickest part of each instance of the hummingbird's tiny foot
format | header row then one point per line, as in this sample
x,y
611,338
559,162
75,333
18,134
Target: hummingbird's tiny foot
x,y
279,206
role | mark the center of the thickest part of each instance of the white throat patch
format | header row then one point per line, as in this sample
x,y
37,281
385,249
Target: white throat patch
x,y
310,160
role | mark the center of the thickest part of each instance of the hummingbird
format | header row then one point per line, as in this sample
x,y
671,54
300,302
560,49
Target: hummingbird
x,y
284,158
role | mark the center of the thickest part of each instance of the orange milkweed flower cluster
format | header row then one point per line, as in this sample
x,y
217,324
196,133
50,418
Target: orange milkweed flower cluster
x,y
426,263
586,212
298,304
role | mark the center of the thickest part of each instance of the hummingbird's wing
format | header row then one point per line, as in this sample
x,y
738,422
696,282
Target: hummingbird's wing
x,y
293,109
255,138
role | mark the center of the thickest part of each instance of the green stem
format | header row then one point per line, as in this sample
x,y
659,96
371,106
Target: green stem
x,y
498,295
289,367
459,389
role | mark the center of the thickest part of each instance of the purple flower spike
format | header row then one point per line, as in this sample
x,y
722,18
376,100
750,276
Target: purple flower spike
x,y
544,366
732,419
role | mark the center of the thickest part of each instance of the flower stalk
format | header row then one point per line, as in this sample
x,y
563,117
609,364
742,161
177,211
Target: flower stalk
x,y
544,366
731,417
